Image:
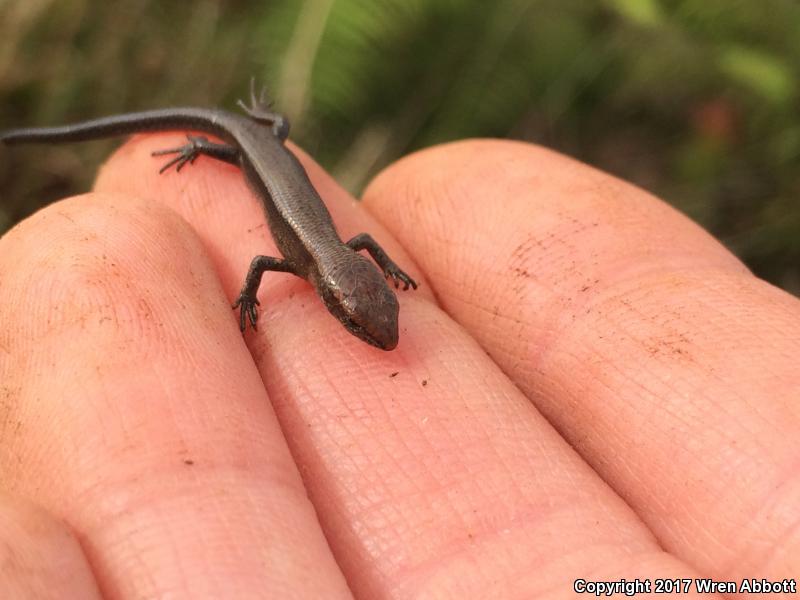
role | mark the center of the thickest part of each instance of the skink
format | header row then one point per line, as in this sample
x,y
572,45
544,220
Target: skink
x,y
349,285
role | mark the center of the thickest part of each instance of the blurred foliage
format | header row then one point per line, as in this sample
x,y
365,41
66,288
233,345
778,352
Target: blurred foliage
x,y
695,100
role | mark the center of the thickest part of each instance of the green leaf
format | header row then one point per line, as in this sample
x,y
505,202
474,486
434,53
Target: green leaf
x,y
641,12
763,73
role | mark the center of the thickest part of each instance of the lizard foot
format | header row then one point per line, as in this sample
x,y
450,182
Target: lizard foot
x,y
187,153
247,309
398,275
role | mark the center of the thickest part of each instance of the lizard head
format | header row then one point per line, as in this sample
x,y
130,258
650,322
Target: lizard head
x,y
357,294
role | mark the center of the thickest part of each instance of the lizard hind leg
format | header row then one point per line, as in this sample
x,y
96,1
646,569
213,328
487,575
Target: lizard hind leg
x,y
262,100
259,102
198,145
260,111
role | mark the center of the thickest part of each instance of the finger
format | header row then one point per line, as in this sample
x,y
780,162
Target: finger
x,y
40,558
134,412
430,473
658,356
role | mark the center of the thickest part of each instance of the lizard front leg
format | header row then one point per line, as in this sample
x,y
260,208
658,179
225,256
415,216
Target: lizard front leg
x,y
247,301
364,241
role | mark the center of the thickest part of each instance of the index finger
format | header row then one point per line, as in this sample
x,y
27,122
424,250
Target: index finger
x,y
131,409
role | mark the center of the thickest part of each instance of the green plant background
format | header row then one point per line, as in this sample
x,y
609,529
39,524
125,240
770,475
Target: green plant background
x,y
694,100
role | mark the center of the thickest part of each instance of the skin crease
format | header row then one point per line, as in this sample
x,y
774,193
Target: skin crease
x,y
44,550
586,385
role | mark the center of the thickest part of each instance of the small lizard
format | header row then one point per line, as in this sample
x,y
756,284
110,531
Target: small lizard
x,y
349,285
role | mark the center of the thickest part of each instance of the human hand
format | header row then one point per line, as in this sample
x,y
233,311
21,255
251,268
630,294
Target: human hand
x,y
134,413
